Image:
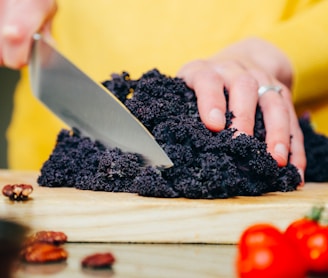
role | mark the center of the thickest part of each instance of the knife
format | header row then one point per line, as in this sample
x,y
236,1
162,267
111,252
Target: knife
x,y
84,104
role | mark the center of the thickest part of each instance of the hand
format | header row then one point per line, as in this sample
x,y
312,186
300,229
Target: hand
x,y
19,20
242,68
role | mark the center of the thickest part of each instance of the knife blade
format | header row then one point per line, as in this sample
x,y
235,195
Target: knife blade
x,y
84,104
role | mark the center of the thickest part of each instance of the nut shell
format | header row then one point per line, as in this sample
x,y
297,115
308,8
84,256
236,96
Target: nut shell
x,y
43,253
17,192
56,238
98,260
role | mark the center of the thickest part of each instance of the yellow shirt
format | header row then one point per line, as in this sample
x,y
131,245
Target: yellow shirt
x,y
106,36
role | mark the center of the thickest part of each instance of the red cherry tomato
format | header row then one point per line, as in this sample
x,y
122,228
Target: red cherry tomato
x,y
304,226
263,251
259,235
311,239
314,248
299,228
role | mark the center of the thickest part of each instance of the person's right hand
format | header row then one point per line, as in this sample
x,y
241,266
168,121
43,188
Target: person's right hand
x,y
19,20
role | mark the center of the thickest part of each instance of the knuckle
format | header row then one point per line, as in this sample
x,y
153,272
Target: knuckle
x,y
275,104
193,70
244,123
230,64
283,109
196,64
247,81
13,34
207,75
262,76
287,95
246,118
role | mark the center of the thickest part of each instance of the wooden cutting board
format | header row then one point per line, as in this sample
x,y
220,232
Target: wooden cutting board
x,y
87,216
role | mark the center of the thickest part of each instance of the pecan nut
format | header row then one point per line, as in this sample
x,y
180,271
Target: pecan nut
x,y
43,253
17,192
98,260
52,237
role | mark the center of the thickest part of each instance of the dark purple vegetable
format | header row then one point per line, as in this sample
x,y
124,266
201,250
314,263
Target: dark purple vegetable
x,y
206,164
316,149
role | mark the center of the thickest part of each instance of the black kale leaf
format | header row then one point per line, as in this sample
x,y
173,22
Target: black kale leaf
x,y
206,164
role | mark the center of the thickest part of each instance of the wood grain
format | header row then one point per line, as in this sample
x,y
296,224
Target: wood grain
x,y
143,260
87,216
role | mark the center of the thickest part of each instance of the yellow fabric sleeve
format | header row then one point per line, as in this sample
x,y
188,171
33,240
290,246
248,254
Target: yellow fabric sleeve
x,y
304,39
102,37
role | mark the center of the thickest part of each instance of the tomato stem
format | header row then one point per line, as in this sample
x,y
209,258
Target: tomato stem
x,y
315,213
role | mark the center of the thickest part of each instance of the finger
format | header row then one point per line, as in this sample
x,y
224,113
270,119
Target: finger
x,y
277,123
276,114
17,30
298,156
243,101
208,86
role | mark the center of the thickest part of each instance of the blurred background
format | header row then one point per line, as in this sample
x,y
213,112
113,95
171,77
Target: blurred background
x,y
8,80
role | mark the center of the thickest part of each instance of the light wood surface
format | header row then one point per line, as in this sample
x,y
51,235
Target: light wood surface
x,y
87,216
144,261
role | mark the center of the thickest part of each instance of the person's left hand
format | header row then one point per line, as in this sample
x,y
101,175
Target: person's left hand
x,y
242,68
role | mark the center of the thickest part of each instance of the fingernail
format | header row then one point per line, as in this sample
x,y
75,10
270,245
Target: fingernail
x,y
217,118
281,151
302,175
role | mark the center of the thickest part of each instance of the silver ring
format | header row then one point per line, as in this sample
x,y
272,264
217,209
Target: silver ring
x,y
264,89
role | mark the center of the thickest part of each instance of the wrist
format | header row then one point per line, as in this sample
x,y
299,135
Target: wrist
x,y
271,58
260,54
